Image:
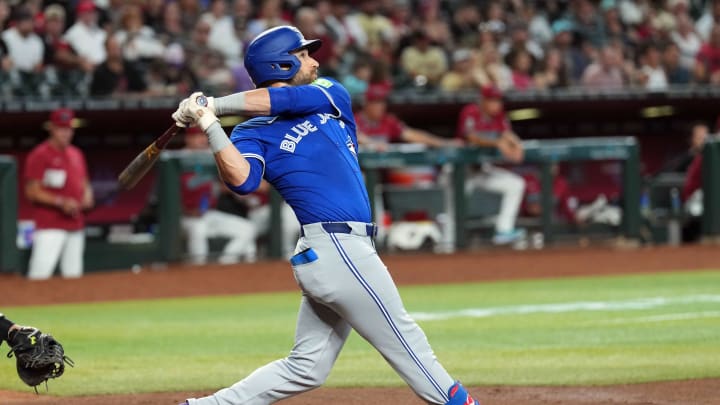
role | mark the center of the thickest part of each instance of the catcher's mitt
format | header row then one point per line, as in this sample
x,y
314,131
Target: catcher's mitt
x,y
39,356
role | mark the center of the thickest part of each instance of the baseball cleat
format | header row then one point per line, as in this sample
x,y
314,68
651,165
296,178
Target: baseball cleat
x,y
504,238
459,396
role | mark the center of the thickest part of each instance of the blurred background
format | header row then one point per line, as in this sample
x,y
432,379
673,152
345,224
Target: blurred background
x,y
614,102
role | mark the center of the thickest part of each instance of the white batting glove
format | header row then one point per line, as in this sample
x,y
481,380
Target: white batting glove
x,y
195,111
182,119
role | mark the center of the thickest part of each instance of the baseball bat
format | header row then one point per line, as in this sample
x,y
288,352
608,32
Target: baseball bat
x,y
142,163
138,167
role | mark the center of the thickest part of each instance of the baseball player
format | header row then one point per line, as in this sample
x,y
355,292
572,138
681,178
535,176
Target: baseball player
x,y
303,142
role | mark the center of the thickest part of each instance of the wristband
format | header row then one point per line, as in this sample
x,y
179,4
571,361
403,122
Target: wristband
x,y
217,138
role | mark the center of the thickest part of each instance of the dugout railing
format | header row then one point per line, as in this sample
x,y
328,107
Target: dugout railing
x,y
166,245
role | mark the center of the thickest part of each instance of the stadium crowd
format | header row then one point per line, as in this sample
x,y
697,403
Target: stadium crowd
x,y
169,47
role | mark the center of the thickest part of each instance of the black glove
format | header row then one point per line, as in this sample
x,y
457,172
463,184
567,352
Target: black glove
x,y
39,356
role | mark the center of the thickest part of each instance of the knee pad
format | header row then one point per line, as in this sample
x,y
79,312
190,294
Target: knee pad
x,y
459,396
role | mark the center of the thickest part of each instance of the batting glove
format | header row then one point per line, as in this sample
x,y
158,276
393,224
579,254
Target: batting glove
x,y
196,111
180,115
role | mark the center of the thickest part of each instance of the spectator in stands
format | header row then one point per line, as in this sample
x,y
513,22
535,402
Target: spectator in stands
x,y
573,58
497,72
676,73
137,40
115,76
356,82
520,40
485,124
25,49
376,128
201,221
307,20
521,62
687,40
375,29
422,62
707,64
606,72
171,28
587,22
153,15
539,29
651,74
189,13
223,37
85,36
710,18
58,186
270,14
466,24
434,23
207,64
551,73
242,13
65,70
464,74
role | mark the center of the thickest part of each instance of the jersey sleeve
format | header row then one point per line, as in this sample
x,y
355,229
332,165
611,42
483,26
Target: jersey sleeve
x,y
254,151
466,122
324,95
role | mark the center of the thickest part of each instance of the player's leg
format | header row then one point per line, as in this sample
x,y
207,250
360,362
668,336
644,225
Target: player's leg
x,y
319,337
71,259
47,245
512,187
196,234
241,232
354,282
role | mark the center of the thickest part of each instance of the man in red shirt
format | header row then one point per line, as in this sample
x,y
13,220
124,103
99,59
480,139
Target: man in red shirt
x,y
377,129
57,184
485,124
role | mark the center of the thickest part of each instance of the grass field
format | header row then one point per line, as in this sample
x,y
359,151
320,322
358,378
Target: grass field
x,y
566,331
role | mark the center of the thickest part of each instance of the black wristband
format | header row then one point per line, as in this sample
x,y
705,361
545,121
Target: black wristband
x,y
5,325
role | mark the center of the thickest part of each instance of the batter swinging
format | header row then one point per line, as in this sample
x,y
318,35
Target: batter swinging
x,y
303,142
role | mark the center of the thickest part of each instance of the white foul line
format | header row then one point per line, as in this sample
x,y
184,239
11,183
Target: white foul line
x,y
663,318
578,306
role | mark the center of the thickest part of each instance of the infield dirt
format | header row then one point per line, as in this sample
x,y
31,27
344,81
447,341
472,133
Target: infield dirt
x,y
182,281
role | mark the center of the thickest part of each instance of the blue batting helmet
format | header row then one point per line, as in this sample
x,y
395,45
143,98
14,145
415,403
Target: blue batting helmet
x,y
269,56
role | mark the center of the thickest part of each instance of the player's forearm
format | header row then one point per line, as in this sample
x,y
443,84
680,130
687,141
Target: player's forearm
x,y
479,140
252,102
234,169
38,195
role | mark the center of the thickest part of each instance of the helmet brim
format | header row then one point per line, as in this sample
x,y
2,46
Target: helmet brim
x,y
311,45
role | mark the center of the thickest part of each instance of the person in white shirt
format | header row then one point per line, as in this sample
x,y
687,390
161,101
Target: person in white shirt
x,y
25,53
85,36
222,36
687,40
24,46
652,74
137,39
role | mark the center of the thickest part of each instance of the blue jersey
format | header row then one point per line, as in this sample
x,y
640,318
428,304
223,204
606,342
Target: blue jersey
x,y
307,151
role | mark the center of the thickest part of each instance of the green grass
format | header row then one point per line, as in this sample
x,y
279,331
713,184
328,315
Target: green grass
x,y
210,342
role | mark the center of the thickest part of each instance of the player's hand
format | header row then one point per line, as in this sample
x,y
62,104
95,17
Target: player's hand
x,y
184,121
69,206
195,111
510,150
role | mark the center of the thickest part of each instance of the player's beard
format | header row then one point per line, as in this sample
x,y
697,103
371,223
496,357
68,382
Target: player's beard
x,y
302,78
